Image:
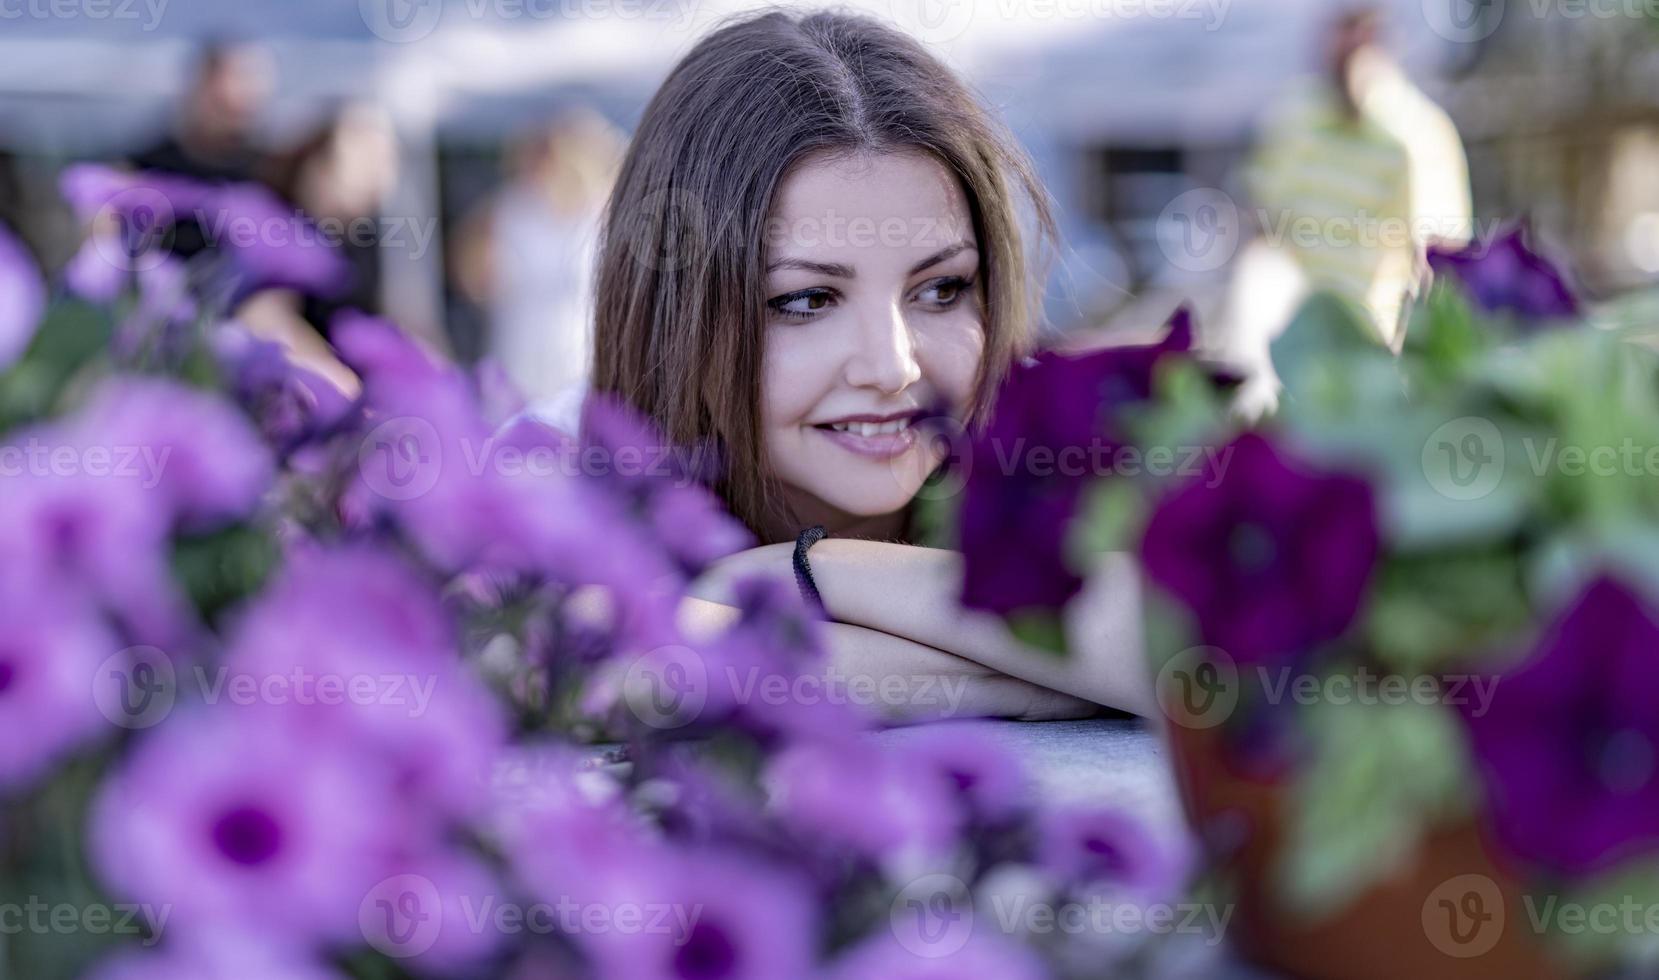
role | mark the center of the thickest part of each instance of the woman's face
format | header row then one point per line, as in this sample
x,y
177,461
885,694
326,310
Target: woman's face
x,y
874,317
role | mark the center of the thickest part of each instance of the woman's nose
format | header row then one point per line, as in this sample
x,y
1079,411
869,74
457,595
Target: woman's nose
x,y
885,354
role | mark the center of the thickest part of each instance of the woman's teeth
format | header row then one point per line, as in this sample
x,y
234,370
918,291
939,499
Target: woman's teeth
x,y
871,428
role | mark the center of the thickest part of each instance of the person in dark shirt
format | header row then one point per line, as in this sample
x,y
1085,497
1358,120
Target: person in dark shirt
x,y
212,139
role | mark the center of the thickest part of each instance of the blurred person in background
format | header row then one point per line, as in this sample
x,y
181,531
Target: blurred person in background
x,y
338,177
526,255
212,137
1354,176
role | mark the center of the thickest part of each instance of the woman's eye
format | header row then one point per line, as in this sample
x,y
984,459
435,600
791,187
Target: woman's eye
x,y
944,293
802,304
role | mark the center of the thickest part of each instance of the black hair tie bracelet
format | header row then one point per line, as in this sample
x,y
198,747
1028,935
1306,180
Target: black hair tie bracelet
x,y
803,571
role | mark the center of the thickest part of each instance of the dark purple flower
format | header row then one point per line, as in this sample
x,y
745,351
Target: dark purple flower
x,y
1054,417
239,826
1107,847
50,652
1505,274
22,298
1271,555
1569,744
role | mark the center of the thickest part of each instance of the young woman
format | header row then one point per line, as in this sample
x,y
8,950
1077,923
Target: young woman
x,y
815,238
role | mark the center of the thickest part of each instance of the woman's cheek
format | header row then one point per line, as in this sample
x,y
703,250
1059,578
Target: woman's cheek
x,y
793,367
950,352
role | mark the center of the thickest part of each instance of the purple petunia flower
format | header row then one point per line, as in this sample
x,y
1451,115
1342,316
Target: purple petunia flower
x,y
210,465
1019,502
722,915
1569,743
239,826
1505,274
291,405
663,486
267,243
86,520
51,650
1271,556
982,956
211,958
990,783
22,298
360,621
856,797
1105,847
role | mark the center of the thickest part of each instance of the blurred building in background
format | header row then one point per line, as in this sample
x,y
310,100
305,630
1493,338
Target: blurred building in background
x,y
1141,117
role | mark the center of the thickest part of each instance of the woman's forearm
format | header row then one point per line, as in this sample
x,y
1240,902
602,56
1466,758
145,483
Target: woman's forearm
x,y
912,592
899,679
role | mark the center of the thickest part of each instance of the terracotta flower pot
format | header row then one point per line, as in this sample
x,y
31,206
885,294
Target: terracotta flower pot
x,y
1453,912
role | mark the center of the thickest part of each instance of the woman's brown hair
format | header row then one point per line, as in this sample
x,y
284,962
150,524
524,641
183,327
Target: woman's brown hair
x,y
680,297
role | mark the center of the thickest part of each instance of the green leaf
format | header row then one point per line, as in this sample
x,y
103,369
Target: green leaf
x,y
1380,776
220,569
71,336
1039,629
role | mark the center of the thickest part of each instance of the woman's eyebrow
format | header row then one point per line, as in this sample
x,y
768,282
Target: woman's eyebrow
x,y
940,256
823,268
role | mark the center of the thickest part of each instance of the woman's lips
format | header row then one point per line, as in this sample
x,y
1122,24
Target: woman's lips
x,y
882,445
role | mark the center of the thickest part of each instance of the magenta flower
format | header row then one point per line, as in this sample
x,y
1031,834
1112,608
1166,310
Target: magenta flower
x,y
241,827
49,655
1271,556
1054,417
1106,847
22,298
1505,274
1567,747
